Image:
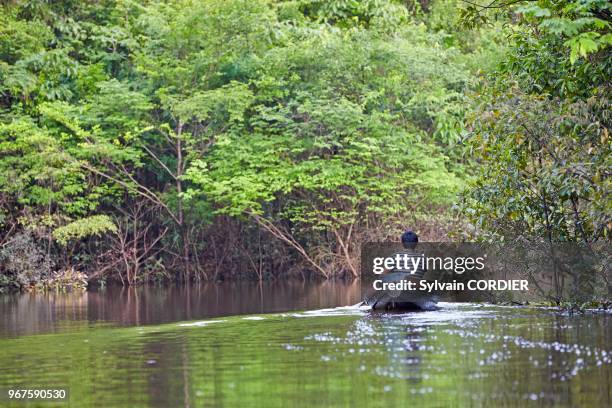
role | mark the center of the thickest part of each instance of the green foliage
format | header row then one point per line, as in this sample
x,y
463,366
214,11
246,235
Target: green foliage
x,y
585,24
582,25
84,227
373,14
545,168
36,172
307,116
324,146
542,66
540,131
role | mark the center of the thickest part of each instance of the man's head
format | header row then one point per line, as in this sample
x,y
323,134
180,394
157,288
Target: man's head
x,y
409,239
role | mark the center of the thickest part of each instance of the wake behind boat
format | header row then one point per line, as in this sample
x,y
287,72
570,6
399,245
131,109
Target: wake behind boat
x,y
416,299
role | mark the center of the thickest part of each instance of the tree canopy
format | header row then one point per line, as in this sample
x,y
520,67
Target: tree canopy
x,y
214,139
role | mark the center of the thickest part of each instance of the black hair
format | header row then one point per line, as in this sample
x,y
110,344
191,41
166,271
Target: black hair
x,y
409,239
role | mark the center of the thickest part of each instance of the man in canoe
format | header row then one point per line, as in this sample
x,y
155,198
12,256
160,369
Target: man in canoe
x,y
403,300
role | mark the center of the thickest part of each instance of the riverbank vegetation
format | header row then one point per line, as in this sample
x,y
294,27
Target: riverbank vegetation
x,y
211,140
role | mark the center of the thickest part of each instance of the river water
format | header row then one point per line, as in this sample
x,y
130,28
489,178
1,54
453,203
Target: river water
x,y
296,344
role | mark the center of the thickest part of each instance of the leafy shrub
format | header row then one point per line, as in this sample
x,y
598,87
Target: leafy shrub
x,y
64,280
94,225
23,261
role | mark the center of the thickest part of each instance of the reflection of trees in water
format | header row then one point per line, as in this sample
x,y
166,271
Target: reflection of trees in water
x,y
28,313
35,313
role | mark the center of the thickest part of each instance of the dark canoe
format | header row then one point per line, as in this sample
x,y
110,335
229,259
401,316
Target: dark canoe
x,y
400,300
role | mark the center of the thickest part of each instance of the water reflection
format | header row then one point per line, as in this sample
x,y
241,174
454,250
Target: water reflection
x,y
31,313
485,355
460,355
